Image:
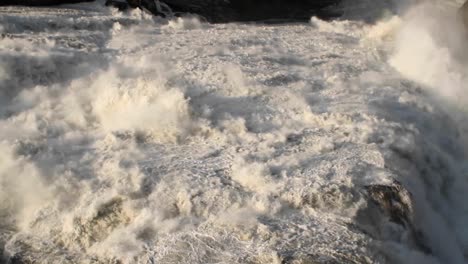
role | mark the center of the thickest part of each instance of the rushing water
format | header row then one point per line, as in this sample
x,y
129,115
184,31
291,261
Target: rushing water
x,y
130,139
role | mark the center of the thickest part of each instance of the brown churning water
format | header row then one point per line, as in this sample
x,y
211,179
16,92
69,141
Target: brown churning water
x,y
463,14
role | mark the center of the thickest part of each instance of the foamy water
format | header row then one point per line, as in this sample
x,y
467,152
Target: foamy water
x,y
127,138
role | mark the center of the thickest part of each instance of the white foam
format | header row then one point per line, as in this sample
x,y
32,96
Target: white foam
x,y
185,23
135,141
430,49
22,190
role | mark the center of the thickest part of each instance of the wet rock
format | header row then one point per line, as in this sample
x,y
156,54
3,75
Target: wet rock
x,y
254,10
119,5
216,10
394,201
248,10
389,215
40,2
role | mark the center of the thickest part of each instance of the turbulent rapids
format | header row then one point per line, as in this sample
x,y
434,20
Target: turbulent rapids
x,y
128,138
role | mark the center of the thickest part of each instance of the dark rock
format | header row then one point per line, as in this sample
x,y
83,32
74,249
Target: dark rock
x,y
118,4
40,2
253,10
281,9
215,10
394,201
391,203
240,10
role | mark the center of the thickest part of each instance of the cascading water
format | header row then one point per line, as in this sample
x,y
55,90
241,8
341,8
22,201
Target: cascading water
x,y
127,138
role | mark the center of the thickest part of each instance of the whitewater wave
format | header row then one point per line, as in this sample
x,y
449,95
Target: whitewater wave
x,y
127,138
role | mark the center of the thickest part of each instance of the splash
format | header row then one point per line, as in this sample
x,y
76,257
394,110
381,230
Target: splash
x,y
141,140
